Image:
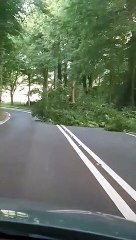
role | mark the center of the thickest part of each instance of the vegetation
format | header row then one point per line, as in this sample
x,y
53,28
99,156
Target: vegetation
x,y
81,53
15,105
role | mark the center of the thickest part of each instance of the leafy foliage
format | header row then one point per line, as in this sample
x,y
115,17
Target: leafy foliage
x,y
84,114
82,53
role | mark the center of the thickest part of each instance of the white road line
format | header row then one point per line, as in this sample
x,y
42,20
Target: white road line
x,y
16,109
114,175
114,196
1,123
130,134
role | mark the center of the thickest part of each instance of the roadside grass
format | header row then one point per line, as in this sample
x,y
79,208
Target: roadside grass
x,y
15,105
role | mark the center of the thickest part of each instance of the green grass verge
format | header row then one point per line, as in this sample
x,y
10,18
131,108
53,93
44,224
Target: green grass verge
x,y
15,105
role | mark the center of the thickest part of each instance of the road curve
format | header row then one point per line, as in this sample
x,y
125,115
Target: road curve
x,y
38,164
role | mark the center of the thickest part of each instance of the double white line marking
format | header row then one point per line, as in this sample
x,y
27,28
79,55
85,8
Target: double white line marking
x,y
112,193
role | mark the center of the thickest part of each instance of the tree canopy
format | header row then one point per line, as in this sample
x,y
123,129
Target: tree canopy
x,y
74,49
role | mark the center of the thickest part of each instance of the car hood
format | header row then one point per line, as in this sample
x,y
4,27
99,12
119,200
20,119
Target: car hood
x,y
34,213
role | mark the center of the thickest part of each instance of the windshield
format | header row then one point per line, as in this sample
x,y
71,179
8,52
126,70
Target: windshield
x,y
67,110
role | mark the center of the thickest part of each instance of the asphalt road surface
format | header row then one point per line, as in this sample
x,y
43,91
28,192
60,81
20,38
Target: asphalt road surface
x,y
68,168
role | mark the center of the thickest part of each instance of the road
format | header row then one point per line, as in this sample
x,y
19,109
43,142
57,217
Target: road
x,y
46,164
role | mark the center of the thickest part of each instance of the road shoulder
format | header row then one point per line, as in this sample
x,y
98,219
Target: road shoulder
x,y
4,117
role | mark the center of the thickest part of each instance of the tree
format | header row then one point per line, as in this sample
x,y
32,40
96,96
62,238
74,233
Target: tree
x,y
11,72
83,44
9,26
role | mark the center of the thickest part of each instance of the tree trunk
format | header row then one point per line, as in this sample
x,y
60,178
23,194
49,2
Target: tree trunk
x,y
131,8
132,67
132,96
45,86
60,72
29,89
1,72
45,81
65,74
55,78
111,85
84,81
11,97
90,79
73,92
59,63
1,80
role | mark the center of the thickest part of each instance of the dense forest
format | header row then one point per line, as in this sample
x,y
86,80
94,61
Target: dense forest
x,y
81,52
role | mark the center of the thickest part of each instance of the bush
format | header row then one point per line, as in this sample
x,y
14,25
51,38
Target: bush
x,y
38,109
85,114
62,116
120,123
65,117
